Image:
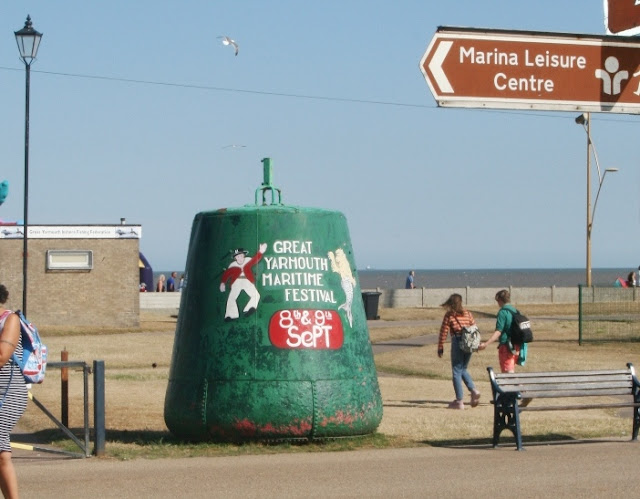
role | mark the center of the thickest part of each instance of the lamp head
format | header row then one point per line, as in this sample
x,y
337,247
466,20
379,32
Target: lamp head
x,y
582,119
612,170
28,40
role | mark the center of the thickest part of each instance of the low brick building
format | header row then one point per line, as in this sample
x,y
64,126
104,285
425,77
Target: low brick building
x,y
84,275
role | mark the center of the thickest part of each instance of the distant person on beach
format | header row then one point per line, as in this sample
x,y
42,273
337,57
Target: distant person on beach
x,y
507,353
410,284
181,283
631,279
171,282
455,318
161,285
14,390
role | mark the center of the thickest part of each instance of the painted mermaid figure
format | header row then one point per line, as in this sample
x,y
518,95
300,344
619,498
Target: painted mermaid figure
x,y
340,265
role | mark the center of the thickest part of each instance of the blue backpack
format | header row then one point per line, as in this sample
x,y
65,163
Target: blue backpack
x,y
33,363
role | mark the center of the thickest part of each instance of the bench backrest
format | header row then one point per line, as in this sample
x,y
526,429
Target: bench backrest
x,y
567,383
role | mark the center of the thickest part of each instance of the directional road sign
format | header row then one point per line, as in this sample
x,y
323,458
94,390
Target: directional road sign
x,y
622,17
468,67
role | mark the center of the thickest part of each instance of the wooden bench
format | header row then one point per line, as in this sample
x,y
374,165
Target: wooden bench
x,y
511,389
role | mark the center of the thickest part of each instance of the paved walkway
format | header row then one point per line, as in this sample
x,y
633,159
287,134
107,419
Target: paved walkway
x,y
589,469
416,341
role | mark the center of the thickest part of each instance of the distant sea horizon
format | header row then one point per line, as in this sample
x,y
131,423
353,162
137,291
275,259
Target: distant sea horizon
x,y
479,278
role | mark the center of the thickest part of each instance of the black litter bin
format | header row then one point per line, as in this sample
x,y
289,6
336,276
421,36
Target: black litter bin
x,y
371,299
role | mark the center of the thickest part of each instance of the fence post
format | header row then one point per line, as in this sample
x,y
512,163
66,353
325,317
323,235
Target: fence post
x,y
98,406
64,389
579,314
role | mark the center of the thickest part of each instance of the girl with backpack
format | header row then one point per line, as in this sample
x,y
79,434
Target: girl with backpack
x,y
454,320
13,392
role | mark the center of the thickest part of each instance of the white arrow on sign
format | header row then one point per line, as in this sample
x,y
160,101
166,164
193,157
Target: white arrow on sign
x,y
435,66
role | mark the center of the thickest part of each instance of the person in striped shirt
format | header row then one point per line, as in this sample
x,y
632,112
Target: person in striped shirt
x,y
455,318
13,392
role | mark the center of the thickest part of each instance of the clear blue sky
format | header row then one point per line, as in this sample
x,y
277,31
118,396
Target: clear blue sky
x,y
332,91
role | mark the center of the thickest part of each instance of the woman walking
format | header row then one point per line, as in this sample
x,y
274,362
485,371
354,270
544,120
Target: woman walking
x,y
454,320
13,392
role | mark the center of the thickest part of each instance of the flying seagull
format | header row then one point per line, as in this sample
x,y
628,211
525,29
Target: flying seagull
x,y
228,41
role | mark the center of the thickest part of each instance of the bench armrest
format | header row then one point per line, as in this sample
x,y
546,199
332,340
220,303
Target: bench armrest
x,y
496,390
494,384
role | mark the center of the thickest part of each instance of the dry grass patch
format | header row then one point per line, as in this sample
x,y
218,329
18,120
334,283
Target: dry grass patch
x,y
118,350
160,321
479,311
414,404
415,409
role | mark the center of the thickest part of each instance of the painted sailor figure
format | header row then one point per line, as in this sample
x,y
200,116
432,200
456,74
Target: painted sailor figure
x,y
241,278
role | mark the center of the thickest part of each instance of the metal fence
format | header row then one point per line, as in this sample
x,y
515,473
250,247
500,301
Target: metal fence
x,y
609,314
98,410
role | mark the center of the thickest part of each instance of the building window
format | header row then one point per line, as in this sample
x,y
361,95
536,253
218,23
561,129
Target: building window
x,y
69,259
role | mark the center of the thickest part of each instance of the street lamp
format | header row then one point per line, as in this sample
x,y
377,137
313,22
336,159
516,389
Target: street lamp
x,y
585,120
28,40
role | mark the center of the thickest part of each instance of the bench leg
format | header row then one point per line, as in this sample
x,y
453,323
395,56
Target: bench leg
x,y
506,416
636,413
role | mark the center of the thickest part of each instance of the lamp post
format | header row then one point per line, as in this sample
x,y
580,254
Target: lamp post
x,y
28,40
585,121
